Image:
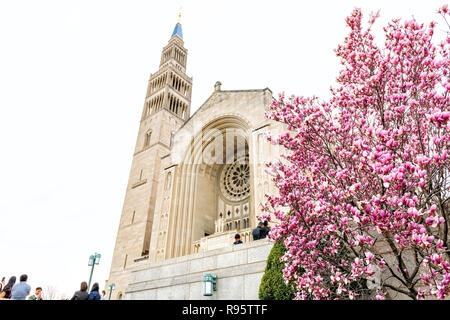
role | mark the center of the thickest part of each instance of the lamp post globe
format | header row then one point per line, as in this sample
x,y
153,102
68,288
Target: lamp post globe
x,y
93,260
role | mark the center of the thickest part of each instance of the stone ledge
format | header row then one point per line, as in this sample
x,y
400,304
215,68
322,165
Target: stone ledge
x,y
140,259
139,183
200,255
229,264
221,274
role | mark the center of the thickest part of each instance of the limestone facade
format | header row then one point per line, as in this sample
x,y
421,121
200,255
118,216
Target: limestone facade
x,y
239,270
195,181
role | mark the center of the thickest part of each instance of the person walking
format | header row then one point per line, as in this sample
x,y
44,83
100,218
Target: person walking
x,y
94,295
82,294
6,293
37,294
21,290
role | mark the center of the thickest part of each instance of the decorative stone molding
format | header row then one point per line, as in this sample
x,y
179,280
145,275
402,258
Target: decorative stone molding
x,y
139,183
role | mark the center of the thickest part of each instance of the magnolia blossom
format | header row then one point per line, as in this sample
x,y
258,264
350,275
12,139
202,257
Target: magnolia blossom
x,y
366,173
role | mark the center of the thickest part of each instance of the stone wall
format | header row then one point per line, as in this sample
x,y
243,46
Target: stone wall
x,y
239,270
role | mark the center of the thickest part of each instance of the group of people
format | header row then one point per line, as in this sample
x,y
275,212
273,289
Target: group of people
x,y
83,293
21,290
18,291
260,232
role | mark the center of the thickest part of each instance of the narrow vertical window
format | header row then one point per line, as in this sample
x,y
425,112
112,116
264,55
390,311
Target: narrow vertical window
x,y
125,261
172,136
168,180
149,109
148,135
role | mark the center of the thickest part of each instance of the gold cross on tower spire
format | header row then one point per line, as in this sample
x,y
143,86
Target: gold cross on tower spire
x,y
179,15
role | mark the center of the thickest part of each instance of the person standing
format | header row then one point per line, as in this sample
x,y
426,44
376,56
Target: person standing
x,y
103,295
6,293
82,294
258,232
2,284
94,295
37,294
266,230
21,290
237,239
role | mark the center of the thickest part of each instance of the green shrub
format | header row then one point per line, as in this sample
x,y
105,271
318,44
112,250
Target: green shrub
x,y
272,285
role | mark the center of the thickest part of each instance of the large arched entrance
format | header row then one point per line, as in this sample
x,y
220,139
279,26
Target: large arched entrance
x,y
215,189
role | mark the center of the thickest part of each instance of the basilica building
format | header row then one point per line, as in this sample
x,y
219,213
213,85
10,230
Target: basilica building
x,y
195,182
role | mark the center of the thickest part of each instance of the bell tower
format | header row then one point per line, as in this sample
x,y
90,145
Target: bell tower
x,y
170,88
166,108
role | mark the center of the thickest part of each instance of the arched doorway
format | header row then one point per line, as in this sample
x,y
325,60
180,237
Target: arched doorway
x,y
215,188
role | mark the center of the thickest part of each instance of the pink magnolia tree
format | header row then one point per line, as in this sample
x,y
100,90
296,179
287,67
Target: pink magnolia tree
x,y
363,203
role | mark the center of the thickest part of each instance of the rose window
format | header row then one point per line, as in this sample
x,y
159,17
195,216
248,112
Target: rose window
x,y
235,180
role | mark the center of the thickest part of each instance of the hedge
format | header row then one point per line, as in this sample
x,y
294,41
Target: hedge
x,y
273,286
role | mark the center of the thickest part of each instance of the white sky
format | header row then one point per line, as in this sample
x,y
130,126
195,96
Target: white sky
x,y
73,77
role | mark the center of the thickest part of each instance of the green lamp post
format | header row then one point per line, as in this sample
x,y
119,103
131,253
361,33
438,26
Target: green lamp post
x,y
111,288
93,260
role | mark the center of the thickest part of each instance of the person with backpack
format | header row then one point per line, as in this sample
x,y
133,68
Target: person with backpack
x,y
94,295
6,293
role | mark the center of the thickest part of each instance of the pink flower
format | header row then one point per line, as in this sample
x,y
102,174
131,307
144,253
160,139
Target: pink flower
x,y
380,295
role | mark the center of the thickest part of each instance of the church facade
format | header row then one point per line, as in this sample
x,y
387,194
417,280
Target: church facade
x,y
195,182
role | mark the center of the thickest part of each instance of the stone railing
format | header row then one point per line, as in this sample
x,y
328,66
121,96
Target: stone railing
x,y
225,225
221,240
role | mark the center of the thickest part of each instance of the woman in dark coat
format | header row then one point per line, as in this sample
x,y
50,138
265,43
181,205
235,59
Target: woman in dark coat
x,y
82,294
6,293
94,295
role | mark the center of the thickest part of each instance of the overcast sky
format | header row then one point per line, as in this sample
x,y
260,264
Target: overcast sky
x,y
73,77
